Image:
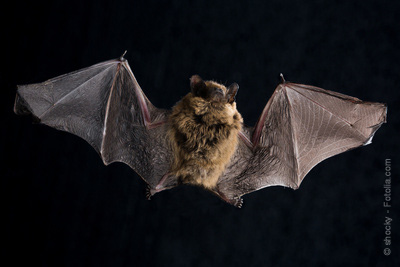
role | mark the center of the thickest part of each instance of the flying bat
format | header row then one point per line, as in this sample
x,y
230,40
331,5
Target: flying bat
x,y
202,140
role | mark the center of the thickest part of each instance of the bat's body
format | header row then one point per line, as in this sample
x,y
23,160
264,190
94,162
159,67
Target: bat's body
x,y
202,141
204,136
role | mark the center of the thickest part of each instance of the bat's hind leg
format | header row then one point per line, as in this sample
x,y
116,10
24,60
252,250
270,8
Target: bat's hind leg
x,y
168,181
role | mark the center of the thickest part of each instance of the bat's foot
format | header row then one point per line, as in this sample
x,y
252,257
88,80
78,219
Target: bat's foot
x,y
168,181
152,191
237,202
148,192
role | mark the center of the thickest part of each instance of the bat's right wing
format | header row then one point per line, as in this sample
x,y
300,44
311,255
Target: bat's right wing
x,y
299,127
104,105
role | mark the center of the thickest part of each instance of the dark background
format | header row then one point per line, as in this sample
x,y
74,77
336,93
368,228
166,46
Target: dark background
x,y
62,207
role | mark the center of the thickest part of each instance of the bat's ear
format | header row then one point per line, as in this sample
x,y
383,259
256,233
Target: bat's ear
x,y
198,86
232,91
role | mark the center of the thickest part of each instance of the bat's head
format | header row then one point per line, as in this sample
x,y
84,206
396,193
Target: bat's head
x,y
212,91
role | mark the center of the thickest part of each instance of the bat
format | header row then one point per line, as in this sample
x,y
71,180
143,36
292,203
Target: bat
x,y
202,140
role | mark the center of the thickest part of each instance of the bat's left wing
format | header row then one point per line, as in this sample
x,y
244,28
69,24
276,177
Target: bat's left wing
x,y
104,105
299,127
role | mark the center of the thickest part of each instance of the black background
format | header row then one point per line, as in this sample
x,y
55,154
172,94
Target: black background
x,y
62,207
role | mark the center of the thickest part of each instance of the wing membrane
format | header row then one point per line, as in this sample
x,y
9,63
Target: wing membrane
x,y
104,105
299,127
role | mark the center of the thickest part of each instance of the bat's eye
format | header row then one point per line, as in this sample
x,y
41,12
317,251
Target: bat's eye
x,y
219,91
217,94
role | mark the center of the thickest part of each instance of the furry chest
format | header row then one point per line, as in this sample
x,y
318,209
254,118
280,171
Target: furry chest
x,y
203,144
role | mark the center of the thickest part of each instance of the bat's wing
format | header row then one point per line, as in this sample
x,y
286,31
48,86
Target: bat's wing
x,y
299,127
104,105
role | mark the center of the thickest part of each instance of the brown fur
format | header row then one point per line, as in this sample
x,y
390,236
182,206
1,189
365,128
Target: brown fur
x,y
204,136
